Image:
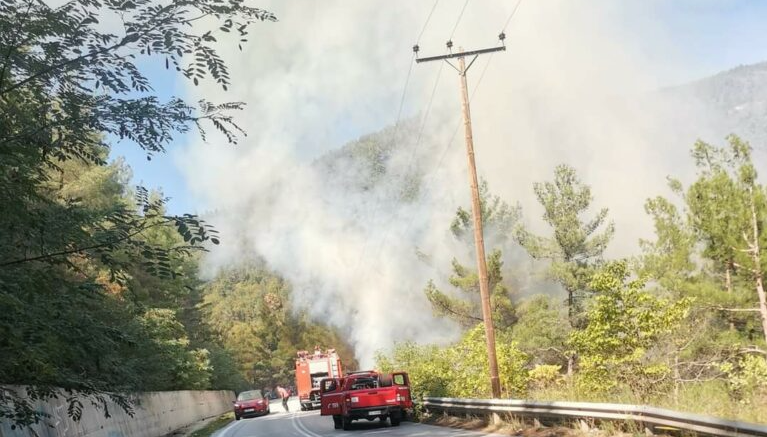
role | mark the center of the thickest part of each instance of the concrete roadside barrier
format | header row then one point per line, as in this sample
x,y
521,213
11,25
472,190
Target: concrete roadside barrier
x,y
155,414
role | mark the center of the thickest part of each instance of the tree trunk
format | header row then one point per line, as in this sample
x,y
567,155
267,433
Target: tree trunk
x,y
756,255
676,378
728,277
570,318
762,304
728,284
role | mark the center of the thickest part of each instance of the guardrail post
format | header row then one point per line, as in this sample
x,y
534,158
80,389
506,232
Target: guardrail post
x,y
495,418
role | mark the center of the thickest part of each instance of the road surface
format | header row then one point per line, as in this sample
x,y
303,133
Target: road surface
x,y
298,423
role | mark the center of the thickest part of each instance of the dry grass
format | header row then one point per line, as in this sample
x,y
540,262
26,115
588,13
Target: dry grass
x,y
706,398
527,427
213,426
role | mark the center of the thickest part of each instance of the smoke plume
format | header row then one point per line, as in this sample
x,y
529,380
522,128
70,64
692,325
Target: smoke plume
x,y
575,86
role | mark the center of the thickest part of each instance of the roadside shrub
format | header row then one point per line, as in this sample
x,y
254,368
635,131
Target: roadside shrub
x,y
545,376
747,378
426,365
461,370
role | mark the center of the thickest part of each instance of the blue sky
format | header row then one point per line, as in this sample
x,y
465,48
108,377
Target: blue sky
x,y
707,36
161,172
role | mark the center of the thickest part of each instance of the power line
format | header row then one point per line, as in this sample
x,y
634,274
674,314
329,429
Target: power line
x,y
473,93
397,123
428,107
511,15
423,29
395,135
413,153
402,98
432,174
458,124
458,20
425,116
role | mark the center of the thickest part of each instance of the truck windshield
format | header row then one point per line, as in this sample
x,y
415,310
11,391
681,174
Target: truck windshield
x,y
317,377
250,395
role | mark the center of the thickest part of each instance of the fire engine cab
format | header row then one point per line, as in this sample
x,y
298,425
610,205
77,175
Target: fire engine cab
x,y
310,369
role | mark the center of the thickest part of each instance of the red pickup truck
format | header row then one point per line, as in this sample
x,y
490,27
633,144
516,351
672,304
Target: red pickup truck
x,y
366,395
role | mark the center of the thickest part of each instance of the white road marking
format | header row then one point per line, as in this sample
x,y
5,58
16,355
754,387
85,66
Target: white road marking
x,y
301,428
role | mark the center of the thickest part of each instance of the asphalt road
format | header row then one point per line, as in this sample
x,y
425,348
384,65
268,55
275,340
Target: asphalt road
x,y
310,424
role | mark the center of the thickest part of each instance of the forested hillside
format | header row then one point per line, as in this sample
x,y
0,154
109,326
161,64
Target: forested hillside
x,y
730,101
378,161
250,312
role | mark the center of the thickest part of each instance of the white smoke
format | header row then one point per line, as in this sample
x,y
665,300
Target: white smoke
x,y
568,90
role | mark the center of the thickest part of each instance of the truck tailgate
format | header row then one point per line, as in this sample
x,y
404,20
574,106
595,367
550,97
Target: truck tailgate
x,y
376,397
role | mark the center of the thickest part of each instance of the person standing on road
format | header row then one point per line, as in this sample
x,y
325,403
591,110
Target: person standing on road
x,y
284,395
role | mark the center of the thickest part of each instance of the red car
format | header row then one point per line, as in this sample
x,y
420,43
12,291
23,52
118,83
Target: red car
x,y
250,403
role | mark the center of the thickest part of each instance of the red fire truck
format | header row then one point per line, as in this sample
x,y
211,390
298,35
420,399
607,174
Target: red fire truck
x,y
310,369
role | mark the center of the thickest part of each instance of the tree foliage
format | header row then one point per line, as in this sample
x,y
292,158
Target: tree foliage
x,y
249,310
728,209
677,326
498,220
577,245
99,284
94,275
467,311
541,330
723,214
460,370
668,259
623,324
99,326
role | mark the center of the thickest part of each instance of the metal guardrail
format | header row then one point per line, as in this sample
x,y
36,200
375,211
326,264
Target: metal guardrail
x,y
650,417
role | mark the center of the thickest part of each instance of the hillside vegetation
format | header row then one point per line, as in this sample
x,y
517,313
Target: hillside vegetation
x,y
683,324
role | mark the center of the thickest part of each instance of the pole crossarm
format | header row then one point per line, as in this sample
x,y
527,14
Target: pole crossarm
x,y
461,54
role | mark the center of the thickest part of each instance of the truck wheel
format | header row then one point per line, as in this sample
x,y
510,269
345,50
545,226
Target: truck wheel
x,y
337,424
346,423
396,418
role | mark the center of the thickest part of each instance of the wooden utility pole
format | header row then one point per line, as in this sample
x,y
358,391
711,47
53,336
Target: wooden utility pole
x,y
484,287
